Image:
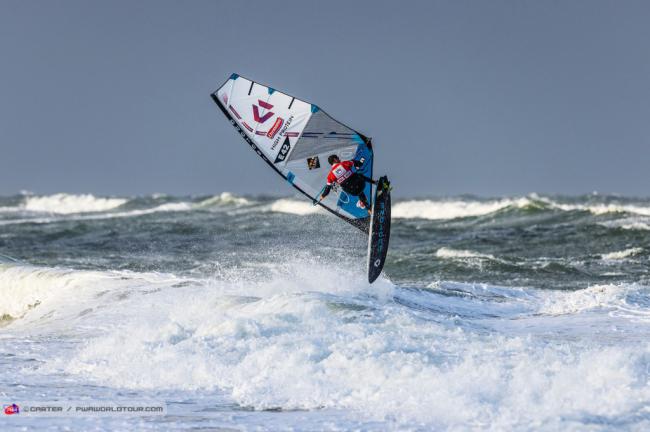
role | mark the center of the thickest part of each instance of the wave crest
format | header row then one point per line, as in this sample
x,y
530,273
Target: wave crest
x,y
618,255
23,288
450,253
292,206
225,198
62,203
452,209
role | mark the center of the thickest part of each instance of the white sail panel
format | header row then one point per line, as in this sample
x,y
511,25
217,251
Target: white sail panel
x,y
264,114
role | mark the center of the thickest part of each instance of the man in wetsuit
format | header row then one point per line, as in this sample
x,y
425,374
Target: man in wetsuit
x,y
345,175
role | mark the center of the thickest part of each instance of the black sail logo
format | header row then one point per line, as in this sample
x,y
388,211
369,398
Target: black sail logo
x,y
284,150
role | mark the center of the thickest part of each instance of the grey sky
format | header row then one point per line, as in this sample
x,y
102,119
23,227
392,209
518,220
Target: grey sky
x,y
489,98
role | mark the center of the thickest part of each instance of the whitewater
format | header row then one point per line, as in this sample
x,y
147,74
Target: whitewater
x,y
254,313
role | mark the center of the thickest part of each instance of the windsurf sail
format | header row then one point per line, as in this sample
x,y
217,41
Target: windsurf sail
x,y
295,138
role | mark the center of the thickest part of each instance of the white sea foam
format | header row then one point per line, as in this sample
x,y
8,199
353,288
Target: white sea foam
x,y
600,209
619,255
66,203
11,209
225,198
571,302
33,293
23,288
87,207
631,223
292,206
640,226
451,209
320,337
291,349
167,207
459,208
446,252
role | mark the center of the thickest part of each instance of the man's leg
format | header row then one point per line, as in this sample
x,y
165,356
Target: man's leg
x,y
354,186
364,200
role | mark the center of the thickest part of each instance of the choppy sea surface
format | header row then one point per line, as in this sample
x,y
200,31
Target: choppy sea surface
x,y
254,313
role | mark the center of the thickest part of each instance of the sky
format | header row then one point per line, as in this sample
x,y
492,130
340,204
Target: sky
x,y
461,97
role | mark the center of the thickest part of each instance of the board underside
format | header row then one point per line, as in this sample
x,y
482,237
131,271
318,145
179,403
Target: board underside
x,y
379,230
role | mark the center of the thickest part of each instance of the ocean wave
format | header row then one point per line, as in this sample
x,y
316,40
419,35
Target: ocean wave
x,y
280,344
8,209
63,204
50,292
315,336
64,207
167,207
431,209
619,255
7,259
461,208
23,288
446,252
601,209
452,209
633,224
223,199
445,208
598,297
292,206
67,204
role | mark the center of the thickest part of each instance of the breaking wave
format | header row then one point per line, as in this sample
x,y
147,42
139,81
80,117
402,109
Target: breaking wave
x,y
24,288
451,209
292,206
619,255
321,338
600,209
223,199
168,207
445,252
64,205
627,300
631,224
67,204
484,323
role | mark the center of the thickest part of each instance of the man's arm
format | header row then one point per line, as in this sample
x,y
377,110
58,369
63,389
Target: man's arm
x,y
357,165
326,191
368,179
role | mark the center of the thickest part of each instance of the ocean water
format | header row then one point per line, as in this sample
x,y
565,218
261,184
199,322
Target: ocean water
x,y
253,313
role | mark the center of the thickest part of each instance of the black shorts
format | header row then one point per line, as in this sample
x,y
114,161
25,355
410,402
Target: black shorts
x,y
354,185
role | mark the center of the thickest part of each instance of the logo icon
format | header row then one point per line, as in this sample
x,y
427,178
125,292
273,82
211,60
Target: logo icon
x,y
284,150
256,111
275,128
313,163
11,409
